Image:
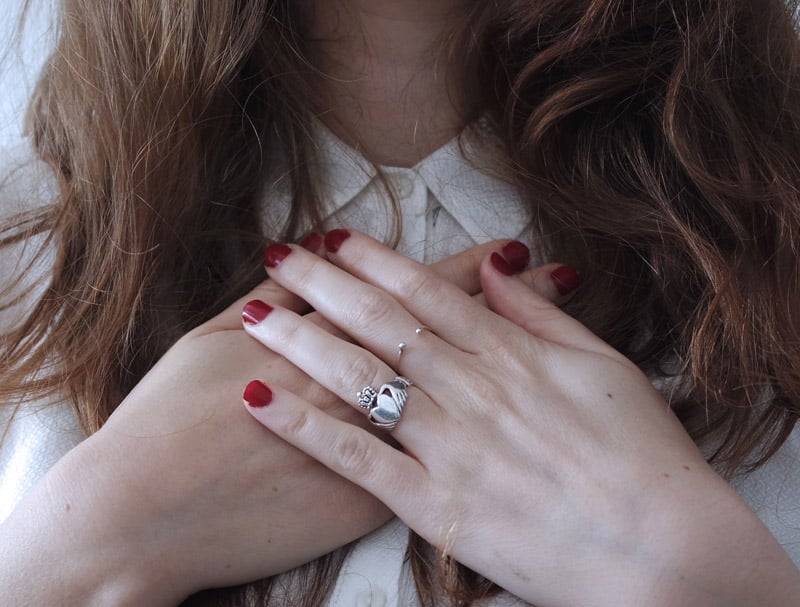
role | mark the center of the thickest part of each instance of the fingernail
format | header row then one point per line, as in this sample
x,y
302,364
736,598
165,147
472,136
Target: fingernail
x,y
255,311
501,265
334,240
275,253
312,242
566,279
517,255
257,394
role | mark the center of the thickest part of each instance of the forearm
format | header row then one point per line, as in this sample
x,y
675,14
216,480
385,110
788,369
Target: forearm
x,y
64,545
735,563
712,552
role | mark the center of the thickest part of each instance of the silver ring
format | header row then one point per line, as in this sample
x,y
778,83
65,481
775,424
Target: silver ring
x,y
402,345
366,397
387,407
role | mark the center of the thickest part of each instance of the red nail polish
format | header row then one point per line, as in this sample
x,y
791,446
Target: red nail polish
x,y
566,279
312,242
257,394
501,265
334,240
517,255
275,253
255,311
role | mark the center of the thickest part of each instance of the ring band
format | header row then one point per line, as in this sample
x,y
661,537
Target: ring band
x,y
402,345
386,406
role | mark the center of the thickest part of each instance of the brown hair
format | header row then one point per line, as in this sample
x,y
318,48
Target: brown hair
x,y
657,142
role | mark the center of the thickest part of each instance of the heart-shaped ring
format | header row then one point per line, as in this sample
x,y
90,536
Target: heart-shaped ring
x,y
387,407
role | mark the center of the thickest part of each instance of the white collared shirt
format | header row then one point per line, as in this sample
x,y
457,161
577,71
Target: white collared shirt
x,y
446,203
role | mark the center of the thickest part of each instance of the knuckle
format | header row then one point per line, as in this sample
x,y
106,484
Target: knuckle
x,y
285,333
297,425
354,374
416,285
373,308
303,277
353,453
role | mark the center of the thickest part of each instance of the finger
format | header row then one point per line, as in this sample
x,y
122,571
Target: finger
x,y
511,298
463,269
367,313
392,476
553,281
550,281
269,291
435,302
340,366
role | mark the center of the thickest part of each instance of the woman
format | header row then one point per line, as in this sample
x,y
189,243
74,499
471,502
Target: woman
x,y
624,135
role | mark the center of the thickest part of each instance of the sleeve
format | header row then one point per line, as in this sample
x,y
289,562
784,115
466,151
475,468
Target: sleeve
x,y
33,435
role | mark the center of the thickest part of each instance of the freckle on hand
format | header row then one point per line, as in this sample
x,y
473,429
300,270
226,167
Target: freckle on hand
x,y
68,507
610,395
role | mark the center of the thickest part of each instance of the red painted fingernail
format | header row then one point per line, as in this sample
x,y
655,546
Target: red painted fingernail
x,y
566,279
312,242
257,394
501,265
255,311
334,240
517,255
275,253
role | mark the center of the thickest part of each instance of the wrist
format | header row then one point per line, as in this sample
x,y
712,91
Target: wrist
x,y
702,546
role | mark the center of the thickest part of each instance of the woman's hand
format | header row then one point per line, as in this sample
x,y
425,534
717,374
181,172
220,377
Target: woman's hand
x,y
180,491
541,458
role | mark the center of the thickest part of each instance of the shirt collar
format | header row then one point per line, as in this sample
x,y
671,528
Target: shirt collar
x,y
467,177
342,170
484,202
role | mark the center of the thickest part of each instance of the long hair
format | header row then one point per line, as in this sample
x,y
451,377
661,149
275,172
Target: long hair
x,y
657,142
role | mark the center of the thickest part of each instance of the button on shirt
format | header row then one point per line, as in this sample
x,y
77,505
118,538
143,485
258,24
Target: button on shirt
x,y
446,204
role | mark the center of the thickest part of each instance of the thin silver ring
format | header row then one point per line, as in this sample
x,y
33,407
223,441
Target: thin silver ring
x,y
388,404
403,345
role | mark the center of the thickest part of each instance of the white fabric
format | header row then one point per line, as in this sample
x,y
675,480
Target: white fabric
x,y
447,205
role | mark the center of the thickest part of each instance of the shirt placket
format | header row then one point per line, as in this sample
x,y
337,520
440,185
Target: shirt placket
x,y
412,196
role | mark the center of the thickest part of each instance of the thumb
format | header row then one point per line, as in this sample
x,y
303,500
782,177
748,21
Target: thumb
x,y
514,300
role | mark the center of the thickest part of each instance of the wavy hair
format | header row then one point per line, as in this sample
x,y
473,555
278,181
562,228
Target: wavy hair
x,y
657,142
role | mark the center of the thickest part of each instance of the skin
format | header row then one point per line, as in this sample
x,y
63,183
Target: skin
x,y
531,456
138,526
139,531
390,88
181,491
